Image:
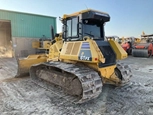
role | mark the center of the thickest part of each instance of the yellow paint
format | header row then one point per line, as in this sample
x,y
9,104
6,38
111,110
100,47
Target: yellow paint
x,y
36,44
24,64
96,51
67,53
45,44
107,71
54,50
120,52
109,74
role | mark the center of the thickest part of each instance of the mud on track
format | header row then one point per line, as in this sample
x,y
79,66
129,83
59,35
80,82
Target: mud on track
x,y
23,97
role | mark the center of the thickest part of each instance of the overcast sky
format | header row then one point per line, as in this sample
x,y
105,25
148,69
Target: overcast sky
x,y
128,17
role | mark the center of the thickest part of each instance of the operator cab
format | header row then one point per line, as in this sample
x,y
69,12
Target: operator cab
x,y
84,23
89,23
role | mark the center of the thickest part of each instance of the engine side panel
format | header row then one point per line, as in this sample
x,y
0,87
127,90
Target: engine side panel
x,y
79,51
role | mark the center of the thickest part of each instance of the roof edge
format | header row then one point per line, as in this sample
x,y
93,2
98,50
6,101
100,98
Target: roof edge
x,y
27,13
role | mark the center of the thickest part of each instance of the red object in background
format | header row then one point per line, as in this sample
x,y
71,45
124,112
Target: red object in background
x,y
127,46
148,46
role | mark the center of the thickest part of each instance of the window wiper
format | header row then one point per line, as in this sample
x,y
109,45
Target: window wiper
x,y
89,34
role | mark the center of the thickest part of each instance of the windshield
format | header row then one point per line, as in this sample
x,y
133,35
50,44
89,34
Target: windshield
x,y
92,27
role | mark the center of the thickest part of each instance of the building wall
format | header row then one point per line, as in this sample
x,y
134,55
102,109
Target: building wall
x,y
26,28
28,25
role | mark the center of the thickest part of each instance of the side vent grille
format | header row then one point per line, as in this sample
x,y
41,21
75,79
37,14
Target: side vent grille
x,y
69,48
76,48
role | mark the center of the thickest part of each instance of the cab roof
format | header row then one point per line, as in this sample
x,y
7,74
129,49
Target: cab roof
x,y
84,11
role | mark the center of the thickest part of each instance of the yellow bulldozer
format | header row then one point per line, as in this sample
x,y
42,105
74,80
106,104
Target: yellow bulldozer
x,y
42,47
80,60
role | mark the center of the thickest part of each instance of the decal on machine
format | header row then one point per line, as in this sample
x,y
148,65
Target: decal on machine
x,y
85,45
85,55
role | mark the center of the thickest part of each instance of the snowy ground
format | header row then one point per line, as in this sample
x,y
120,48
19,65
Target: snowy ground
x,y
20,96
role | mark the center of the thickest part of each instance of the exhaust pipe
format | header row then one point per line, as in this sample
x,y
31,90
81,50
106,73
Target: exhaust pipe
x,y
52,33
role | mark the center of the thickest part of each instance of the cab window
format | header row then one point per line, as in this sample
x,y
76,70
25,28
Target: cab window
x,y
72,28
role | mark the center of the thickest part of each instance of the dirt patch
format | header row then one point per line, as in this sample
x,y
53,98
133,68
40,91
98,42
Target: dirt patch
x,y
8,68
5,52
22,96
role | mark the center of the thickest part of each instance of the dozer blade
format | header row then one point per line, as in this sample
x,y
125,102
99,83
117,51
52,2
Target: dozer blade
x,y
74,83
140,53
24,64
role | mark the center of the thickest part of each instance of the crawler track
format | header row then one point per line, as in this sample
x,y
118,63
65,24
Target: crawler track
x,y
125,71
91,83
89,79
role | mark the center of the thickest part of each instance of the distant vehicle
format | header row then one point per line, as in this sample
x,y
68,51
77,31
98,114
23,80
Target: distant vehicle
x,y
145,47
